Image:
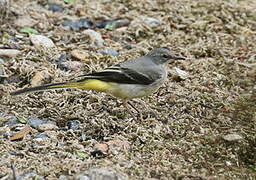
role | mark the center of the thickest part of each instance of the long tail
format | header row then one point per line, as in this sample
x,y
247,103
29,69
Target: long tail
x,y
61,85
89,84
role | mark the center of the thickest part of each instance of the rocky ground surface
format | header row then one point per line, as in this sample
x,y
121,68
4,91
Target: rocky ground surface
x,y
200,125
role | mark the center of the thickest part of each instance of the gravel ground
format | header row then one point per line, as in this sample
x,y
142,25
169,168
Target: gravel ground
x,y
201,126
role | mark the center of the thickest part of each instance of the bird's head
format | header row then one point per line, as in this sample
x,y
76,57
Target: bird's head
x,y
163,55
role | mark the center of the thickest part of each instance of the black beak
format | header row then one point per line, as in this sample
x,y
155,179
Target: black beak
x,y
178,57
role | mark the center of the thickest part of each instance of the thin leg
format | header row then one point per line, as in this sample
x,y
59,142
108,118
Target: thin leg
x,y
141,116
133,106
129,111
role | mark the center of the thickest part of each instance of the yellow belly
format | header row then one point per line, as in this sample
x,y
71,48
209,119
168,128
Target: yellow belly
x,y
97,85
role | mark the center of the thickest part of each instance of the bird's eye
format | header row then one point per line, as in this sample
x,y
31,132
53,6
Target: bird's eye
x,y
165,56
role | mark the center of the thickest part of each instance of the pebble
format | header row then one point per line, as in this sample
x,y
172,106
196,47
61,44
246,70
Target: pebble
x,y
19,36
74,124
101,174
41,139
47,127
112,146
70,65
63,177
41,41
95,37
39,77
113,24
9,52
100,148
27,176
41,136
65,64
110,52
35,122
179,74
54,7
80,55
232,137
82,23
152,22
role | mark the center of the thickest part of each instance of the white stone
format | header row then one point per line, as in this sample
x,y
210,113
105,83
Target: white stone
x,y
9,52
41,41
182,74
232,137
95,37
151,21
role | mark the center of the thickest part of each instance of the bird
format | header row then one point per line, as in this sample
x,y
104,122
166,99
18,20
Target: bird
x,y
133,78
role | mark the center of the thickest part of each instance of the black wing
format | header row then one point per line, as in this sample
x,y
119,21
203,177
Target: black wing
x,y
121,75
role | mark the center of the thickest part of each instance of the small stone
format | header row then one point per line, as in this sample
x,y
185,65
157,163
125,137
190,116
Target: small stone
x,y
113,24
63,177
82,23
40,135
85,23
74,124
47,127
101,174
100,147
82,177
110,52
80,55
41,41
232,137
152,22
42,141
54,7
27,176
95,37
112,146
38,78
71,65
19,36
179,74
35,122
9,52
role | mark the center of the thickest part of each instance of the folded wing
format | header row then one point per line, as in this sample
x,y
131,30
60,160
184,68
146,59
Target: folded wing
x,y
118,74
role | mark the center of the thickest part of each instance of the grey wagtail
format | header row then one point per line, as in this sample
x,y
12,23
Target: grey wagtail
x,y
130,79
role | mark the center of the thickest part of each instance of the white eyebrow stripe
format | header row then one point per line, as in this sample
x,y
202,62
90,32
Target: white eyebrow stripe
x,y
112,70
